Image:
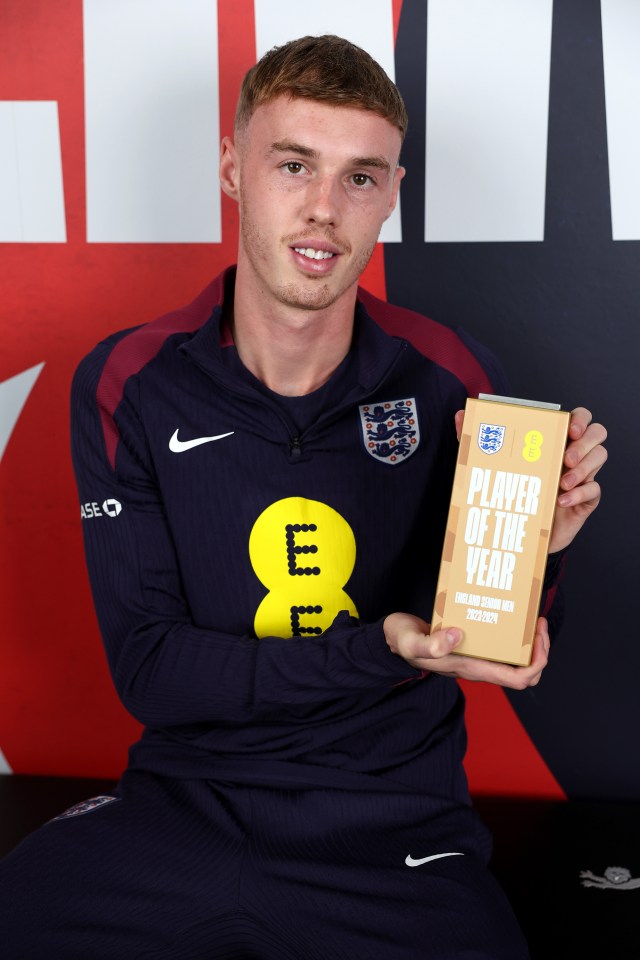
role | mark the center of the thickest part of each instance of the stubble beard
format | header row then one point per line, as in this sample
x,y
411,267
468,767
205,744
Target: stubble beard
x,y
309,293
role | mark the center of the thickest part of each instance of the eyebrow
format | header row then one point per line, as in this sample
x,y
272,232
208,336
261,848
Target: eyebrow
x,y
289,146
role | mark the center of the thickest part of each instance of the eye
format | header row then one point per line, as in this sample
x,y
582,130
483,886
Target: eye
x,y
362,179
293,166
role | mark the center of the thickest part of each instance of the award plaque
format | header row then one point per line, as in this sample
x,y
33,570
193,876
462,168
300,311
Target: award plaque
x,y
497,540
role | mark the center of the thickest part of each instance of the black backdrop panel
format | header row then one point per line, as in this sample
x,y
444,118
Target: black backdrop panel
x,y
562,315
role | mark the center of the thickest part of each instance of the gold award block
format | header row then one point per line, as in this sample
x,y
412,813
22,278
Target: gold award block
x,y
502,507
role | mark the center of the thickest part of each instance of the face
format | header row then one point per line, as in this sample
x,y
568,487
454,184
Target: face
x,y
314,184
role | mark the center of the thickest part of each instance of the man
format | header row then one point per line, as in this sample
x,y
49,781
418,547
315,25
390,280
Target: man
x,y
279,458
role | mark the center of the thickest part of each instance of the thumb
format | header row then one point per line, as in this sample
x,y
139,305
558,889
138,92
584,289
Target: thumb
x,y
428,646
410,637
440,643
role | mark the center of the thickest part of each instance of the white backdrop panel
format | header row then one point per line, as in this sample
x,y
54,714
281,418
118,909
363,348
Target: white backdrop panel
x,y
4,766
31,191
14,393
487,113
621,51
152,121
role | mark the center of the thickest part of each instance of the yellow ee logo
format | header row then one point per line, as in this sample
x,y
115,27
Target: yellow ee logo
x,y
303,552
532,446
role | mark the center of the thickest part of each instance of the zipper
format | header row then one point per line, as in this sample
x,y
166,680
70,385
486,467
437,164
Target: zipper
x,y
333,415
296,441
245,391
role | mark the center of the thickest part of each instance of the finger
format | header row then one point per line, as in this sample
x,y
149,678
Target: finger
x,y
541,646
476,669
459,419
501,674
540,653
594,435
587,494
580,420
586,469
521,678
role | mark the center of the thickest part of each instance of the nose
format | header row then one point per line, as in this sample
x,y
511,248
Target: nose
x,y
322,202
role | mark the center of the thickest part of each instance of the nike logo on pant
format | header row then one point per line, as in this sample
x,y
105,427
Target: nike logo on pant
x,y
179,446
410,862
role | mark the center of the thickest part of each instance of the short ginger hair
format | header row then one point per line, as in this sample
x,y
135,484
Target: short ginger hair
x,y
328,69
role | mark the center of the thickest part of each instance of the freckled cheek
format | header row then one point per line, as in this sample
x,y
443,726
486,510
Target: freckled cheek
x,y
367,224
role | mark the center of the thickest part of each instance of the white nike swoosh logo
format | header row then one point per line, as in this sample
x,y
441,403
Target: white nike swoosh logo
x,y
179,446
410,862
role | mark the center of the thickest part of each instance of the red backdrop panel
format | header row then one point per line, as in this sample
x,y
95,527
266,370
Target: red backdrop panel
x,y
58,711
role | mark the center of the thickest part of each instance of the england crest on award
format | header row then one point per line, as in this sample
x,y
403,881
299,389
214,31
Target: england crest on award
x,y
490,437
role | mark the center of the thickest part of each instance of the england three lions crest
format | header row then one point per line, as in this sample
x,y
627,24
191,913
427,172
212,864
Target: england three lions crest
x,y
390,430
490,437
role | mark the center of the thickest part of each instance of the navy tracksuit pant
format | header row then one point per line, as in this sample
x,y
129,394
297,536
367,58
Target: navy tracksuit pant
x,y
197,870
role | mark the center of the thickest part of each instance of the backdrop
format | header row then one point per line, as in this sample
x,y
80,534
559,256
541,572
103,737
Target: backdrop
x,y
519,220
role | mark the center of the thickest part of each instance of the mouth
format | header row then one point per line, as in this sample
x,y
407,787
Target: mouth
x,y
312,254
315,258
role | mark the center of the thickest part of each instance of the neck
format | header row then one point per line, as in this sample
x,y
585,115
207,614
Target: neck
x,y
292,350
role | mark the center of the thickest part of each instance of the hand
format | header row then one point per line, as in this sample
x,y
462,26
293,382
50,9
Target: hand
x,y
579,493
410,638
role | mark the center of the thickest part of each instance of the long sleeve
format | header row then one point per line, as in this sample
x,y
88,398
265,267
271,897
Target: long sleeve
x,y
166,669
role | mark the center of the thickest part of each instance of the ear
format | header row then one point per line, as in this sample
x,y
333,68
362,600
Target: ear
x,y
229,168
397,177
